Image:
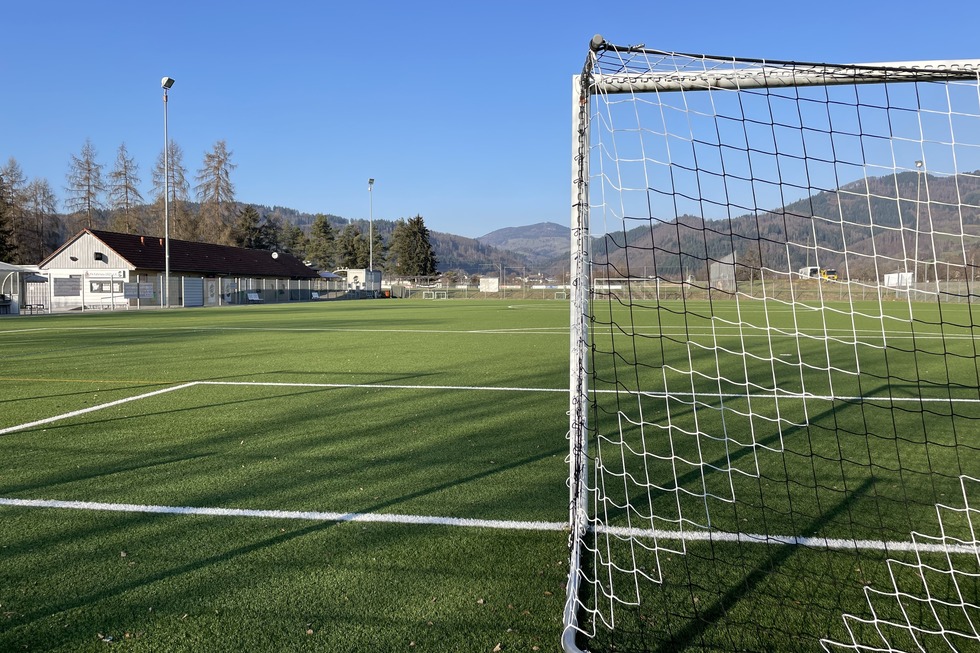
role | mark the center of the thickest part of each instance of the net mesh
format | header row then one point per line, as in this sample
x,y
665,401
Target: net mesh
x,y
782,370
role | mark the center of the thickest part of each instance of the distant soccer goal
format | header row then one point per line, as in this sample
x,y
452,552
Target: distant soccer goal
x,y
435,294
764,460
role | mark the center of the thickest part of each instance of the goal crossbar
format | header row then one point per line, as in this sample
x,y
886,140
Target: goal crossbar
x,y
726,73
773,77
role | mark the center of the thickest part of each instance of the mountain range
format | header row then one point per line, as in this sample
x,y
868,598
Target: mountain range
x,y
542,247
880,222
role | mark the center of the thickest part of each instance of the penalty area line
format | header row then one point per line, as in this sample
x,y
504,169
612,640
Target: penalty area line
x,y
428,520
91,409
379,386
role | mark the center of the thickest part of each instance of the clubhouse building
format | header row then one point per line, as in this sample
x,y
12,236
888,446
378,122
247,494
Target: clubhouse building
x,y
107,270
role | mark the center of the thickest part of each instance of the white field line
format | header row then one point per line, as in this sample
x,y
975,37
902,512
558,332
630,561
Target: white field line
x,y
387,386
794,540
498,524
427,520
25,330
745,331
660,394
90,409
516,331
451,521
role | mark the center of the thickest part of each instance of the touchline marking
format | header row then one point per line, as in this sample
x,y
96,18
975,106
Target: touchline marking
x,y
90,409
290,514
499,524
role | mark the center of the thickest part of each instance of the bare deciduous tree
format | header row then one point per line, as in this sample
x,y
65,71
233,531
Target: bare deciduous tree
x,y
41,207
12,189
85,185
123,195
181,224
216,193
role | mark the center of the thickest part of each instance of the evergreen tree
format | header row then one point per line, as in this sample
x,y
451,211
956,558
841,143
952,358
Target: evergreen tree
x,y
293,240
380,252
411,252
321,249
272,231
85,185
216,193
248,230
351,250
123,195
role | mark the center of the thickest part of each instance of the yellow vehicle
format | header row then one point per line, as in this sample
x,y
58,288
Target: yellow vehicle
x,y
830,274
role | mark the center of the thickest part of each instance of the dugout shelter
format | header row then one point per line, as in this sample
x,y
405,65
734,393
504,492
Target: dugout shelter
x,y
14,280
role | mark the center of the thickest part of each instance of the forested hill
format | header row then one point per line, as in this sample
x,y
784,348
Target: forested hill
x,y
818,229
541,242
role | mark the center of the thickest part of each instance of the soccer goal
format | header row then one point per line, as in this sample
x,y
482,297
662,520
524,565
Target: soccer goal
x,y
764,459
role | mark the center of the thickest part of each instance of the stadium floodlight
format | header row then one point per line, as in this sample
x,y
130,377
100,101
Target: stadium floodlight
x,y
915,251
166,83
731,420
371,226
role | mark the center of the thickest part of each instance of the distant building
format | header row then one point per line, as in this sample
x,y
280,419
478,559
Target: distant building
x,y
722,273
104,269
14,280
361,279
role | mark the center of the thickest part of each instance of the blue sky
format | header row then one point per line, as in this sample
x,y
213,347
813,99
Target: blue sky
x,y
460,111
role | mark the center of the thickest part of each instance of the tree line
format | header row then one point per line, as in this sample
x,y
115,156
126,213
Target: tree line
x,y
31,226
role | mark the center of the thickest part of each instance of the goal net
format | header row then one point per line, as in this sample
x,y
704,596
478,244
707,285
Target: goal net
x,y
775,379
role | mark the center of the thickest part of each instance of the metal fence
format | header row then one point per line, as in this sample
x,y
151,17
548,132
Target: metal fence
x,y
74,293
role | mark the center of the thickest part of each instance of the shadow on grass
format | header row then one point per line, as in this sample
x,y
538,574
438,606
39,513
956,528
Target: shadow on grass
x,y
712,614
766,444
100,471
643,633
106,385
646,638
420,454
109,592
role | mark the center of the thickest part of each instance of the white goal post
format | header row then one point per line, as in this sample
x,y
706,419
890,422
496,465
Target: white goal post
x,y
755,454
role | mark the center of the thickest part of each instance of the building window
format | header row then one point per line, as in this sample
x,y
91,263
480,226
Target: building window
x,y
106,286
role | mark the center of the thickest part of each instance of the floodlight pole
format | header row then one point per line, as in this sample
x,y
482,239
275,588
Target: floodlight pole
x,y
915,254
166,83
371,227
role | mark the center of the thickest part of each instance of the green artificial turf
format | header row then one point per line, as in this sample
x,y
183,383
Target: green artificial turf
x,y
474,429
429,410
